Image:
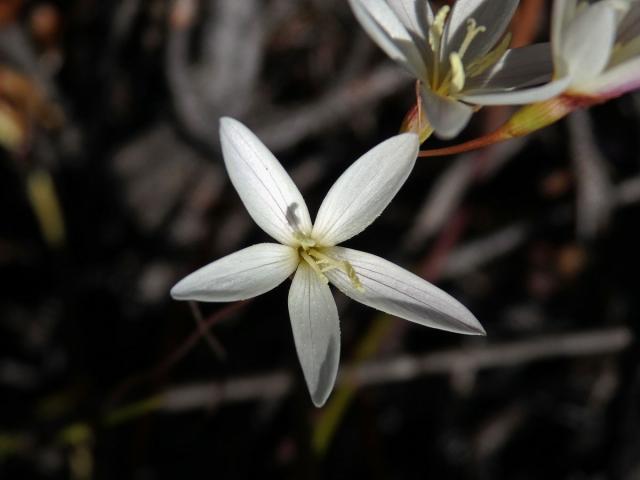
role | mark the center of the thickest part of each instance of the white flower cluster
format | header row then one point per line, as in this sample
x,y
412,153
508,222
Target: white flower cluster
x,y
461,58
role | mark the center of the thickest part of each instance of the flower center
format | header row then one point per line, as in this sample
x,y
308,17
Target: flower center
x,y
454,80
321,262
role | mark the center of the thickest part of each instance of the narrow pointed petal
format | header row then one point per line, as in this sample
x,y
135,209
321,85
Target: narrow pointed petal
x,y
244,274
447,117
521,97
415,15
270,196
396,291
588,41
386,29
316,332
517,68
494,15
365,189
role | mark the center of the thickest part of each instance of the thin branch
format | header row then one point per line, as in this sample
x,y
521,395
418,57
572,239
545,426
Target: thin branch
x,y
405,367
204,329
474,254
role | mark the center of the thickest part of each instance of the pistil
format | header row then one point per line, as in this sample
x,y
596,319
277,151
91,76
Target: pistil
x,y
472,31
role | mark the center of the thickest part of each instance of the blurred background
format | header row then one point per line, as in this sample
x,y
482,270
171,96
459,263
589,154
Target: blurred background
x,y
112,188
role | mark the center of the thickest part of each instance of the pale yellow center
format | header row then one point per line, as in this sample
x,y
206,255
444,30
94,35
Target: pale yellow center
x,y
321,261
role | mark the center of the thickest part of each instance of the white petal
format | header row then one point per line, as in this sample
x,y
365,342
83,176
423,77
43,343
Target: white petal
x,y
415,15
386,29
562,12
244,274
493,15
518,68
396,291
588,41
316,331
365,189
617,81
521,97
267,191
447,116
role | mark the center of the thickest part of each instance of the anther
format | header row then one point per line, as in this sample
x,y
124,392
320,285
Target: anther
x,y
353,277
314,266
437,28
457,73
322,263
435,39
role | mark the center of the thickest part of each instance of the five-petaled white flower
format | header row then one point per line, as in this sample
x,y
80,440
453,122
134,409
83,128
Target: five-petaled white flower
x,y
309,250
458,54
596,51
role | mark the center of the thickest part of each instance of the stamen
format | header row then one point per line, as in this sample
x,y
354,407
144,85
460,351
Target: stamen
x,y
322,263
457,73
351,273
455,79
435,39
314,266
437,28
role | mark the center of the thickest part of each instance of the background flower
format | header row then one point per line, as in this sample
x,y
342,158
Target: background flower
x,y
457,54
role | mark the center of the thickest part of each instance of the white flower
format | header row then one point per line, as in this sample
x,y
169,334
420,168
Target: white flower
x,y
309,250
596,51
598,45
457,54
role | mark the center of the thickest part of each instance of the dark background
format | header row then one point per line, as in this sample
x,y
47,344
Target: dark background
x,y
112,188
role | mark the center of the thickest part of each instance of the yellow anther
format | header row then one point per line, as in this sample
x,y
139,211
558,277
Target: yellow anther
x,y
435,40
456,77
314,266
437,28
353,277
472,31
322,263
457,73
